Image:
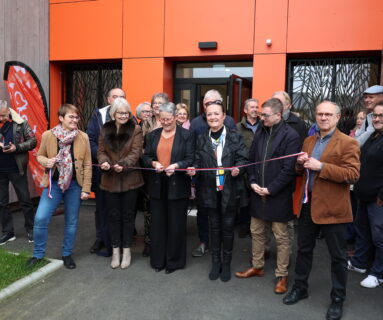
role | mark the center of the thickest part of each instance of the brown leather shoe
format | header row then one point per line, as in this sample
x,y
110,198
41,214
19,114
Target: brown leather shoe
x,y
250,273
281,286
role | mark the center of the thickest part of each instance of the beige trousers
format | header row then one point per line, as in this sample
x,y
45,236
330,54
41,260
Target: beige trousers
x,y
259,234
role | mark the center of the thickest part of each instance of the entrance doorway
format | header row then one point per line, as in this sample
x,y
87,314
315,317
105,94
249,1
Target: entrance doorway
x,y
232,79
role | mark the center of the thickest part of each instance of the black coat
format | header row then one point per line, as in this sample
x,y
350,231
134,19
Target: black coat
x,y
182,153
370,184
277,176
298,125
234,153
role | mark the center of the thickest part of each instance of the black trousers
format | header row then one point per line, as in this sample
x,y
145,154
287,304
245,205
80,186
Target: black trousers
x,y
168,233
221,231
101,217
334,235
121,206
20,184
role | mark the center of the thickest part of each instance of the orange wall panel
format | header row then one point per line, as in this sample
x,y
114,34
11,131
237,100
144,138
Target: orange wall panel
x,y
328,25
270,23
143,77
230,23
143,28
269,75
86,30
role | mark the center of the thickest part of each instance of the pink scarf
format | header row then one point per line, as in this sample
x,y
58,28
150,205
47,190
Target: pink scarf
x,y
64,160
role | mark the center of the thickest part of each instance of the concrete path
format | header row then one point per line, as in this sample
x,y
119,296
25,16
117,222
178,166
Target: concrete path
x,y
95,291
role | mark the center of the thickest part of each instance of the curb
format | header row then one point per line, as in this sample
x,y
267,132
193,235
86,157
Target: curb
x,y
30,279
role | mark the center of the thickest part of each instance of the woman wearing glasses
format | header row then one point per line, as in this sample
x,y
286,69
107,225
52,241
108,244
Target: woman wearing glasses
x,y
218,190
65,153
168,148
120,147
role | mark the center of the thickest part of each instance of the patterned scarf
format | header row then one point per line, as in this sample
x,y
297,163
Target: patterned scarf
x,y
218,146
64,161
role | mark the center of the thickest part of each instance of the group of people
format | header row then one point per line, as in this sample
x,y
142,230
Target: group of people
x,y
149,162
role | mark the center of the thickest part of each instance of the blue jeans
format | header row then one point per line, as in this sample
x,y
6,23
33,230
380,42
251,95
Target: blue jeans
x,y
369,230
44,213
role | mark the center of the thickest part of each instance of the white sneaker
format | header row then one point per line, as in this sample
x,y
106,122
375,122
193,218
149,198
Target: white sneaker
x,y
353,268
371,282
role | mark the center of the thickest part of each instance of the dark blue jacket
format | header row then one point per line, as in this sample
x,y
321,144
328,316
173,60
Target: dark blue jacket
x,y
94,127
277,176
199,124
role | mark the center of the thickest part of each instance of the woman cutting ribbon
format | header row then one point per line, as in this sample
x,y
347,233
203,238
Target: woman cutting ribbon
x,y
168,148
119,147
218,190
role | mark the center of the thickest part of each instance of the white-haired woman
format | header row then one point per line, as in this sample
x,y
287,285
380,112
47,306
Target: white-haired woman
x,y
120,147
167,148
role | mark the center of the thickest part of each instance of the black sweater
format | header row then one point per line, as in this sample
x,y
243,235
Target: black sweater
x,y
370,184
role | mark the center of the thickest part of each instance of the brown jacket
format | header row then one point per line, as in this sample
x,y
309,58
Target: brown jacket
x,y
81,151
123,148
330,202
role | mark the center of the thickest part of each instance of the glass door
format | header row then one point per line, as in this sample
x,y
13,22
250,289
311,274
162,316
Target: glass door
x,y
239,91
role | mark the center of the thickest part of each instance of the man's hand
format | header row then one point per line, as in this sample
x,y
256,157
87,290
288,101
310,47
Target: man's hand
x,y
158,166
313,164
50,163
259,190
170,170
105,166
84,196
117,168
10,148
302,158
191,171
234,172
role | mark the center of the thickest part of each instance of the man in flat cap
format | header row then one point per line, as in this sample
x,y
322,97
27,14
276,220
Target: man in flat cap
x,y
370,97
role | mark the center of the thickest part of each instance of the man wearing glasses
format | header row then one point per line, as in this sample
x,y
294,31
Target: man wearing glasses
x,y
330,163
272,185
370,97
16,139
199,125
99,118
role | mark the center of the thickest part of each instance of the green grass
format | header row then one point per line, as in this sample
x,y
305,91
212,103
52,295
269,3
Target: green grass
x,y
13,267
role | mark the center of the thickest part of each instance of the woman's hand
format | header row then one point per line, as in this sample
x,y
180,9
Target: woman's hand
x,y
158,166
117,168
234,172
84,196
170,170
191,171
105,166
50,163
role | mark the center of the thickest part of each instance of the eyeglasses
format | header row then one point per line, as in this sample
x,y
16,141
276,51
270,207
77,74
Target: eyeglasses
x,y
166,120
377,115
324,114
209,103
146,111
74,117
265,115
116,96
126,114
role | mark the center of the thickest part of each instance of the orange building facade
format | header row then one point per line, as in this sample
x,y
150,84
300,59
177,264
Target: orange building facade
x,y
150,37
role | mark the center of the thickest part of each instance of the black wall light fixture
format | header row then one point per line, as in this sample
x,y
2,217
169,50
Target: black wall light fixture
x,y
207,45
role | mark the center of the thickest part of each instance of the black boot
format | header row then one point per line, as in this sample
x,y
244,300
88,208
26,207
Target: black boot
x,y
227,249
216,264
226,272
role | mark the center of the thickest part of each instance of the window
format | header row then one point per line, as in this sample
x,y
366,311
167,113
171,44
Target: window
x,y
87,86
341,80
